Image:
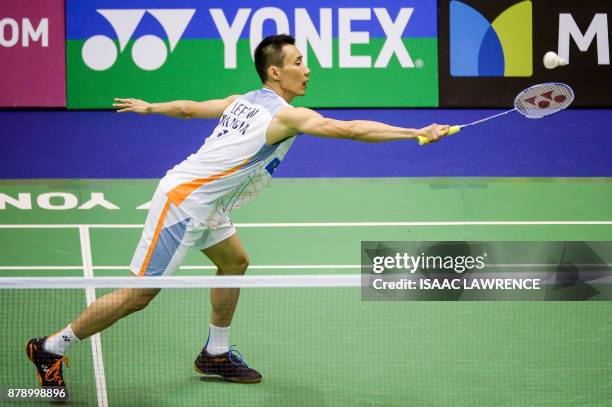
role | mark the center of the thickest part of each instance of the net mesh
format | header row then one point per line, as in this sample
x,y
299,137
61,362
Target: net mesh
x,y
543,100
319,346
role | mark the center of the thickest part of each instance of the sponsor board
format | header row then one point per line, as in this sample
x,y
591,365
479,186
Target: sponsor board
x,y
32,50
489,51
360,54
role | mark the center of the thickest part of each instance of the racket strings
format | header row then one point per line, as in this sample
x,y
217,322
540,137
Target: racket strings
x,y
543,100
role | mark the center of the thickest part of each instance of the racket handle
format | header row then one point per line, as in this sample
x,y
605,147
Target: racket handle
x,y
451,130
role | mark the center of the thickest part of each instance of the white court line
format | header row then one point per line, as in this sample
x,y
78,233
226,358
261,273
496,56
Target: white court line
x,y
41,226
297,266
255,267
336,224
356,266
41,268
251,267
450,223
267,281
96,342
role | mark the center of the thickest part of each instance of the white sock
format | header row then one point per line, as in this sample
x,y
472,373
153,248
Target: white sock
x,y
218,340
60,342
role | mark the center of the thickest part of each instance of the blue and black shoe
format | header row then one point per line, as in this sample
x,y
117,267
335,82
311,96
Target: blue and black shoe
x,y
229,366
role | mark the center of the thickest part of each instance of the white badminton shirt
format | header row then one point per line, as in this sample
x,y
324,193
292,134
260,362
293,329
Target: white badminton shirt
x,y
233,165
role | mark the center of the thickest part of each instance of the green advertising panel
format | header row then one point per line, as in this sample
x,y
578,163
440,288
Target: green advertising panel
x,y
381,54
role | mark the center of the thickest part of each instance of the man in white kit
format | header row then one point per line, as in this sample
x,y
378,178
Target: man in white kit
x,y
191,205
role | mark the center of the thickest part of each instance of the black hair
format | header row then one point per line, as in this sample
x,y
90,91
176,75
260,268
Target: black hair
x,y
270,52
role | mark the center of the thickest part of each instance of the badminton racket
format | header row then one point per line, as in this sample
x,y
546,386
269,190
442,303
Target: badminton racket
x,y
534,102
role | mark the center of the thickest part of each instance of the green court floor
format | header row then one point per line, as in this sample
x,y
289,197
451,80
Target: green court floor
x,y
315,346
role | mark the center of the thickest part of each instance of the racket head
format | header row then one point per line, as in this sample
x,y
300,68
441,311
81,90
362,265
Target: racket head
x,y
544,99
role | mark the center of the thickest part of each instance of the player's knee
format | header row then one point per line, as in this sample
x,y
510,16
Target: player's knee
x,y
236,268
138,299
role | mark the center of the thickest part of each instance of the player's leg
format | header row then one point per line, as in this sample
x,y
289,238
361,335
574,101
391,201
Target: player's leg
x,y
160,250
107,310
231,260
165,240
47,353
217,358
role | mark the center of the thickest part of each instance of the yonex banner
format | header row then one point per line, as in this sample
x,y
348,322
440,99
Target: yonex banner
x,y
361,53
489,50
32,51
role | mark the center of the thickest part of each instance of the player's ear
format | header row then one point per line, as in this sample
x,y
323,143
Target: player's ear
x,y
273,72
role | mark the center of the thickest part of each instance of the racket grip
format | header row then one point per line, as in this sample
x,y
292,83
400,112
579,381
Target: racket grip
x,y
451,130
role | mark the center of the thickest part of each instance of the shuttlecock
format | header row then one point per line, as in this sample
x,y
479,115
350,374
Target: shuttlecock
x,y
552,60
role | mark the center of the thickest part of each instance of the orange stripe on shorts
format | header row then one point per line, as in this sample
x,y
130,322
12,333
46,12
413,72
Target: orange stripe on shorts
x,y
158,229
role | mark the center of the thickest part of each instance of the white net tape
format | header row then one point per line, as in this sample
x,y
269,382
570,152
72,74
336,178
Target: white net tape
x,y
266,281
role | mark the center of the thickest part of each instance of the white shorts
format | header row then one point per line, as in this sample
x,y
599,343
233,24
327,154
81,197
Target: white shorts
x,y
168,233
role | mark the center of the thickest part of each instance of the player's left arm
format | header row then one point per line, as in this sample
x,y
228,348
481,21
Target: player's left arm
x,y
303,120
184,109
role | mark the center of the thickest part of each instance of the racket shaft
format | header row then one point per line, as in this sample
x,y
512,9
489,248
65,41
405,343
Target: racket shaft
x,y
488,118
455,129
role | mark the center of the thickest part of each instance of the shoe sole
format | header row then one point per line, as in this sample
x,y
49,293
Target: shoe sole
x,y
229,379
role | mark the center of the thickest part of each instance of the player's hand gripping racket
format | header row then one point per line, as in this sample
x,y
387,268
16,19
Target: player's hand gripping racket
x,y
534,103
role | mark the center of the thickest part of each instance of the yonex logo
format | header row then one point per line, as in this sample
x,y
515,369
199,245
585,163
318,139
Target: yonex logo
x,y
544,99
149,52
500,48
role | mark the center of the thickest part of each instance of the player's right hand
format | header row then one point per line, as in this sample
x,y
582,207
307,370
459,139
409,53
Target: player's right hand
x,y
132,105
434,132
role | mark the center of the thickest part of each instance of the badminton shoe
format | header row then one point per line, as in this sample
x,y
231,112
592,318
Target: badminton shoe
x,y
48,368
229,366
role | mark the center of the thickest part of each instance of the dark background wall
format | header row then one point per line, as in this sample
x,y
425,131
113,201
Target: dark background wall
x,y
105,144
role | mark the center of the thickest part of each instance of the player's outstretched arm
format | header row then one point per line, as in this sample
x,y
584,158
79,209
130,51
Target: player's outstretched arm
x,y
302,120
184,109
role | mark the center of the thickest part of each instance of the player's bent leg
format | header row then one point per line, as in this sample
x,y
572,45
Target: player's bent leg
x,y
102,313
231,259
108,309
164,242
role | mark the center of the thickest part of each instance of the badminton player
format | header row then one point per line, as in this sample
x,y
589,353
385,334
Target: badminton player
x,y
192,203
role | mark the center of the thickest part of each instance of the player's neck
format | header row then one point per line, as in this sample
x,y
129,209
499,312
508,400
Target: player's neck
x,y
288,96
